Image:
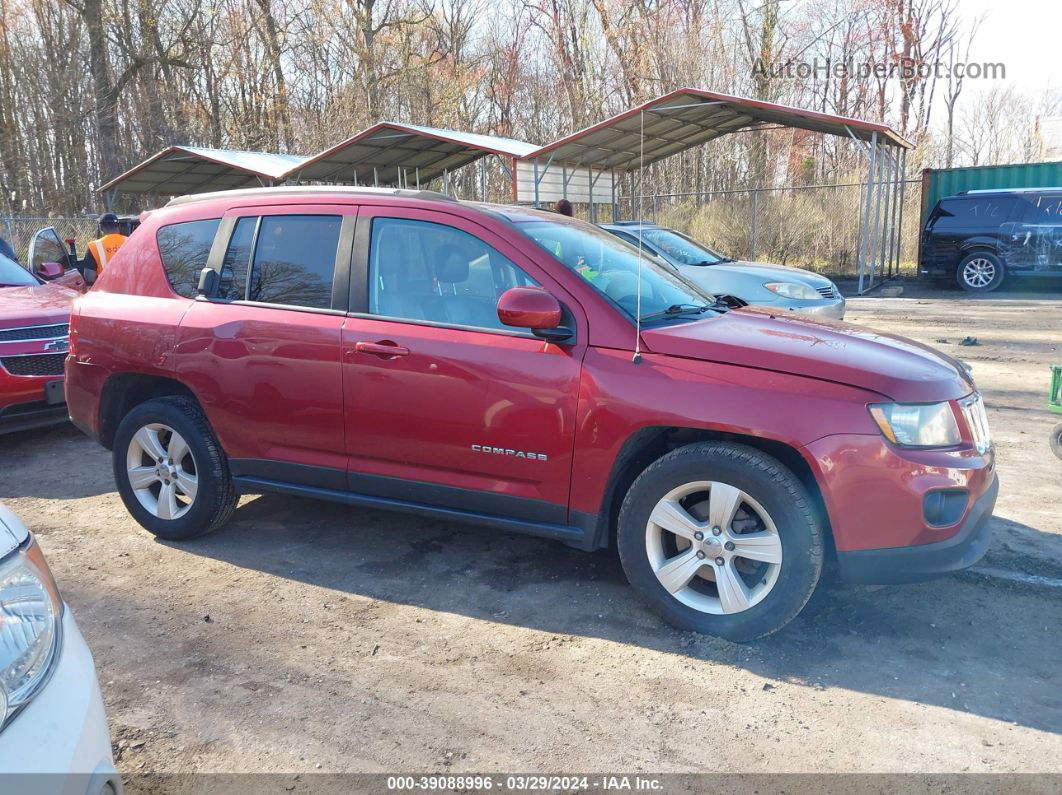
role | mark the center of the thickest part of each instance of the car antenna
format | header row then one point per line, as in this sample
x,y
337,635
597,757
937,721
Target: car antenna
x,y
638,301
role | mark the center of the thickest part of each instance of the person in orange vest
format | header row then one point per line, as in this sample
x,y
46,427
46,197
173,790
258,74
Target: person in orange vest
x,y
102,250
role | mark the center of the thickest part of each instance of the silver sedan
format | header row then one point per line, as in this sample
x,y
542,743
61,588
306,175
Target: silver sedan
x,y
773,286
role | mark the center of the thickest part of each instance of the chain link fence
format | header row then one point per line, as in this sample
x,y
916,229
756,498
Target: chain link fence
x,y
19,230
814,227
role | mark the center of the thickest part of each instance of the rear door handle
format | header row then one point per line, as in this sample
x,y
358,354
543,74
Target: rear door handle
x,y
385,349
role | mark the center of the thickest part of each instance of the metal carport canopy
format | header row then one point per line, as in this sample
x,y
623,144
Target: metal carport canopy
x,y
389,153
689,117
178,170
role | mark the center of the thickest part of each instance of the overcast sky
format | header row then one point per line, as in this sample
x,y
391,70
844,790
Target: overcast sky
x,y
1026,35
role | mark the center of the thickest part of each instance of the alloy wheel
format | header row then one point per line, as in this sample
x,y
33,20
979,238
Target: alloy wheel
x,y
162,471
713,547
979,272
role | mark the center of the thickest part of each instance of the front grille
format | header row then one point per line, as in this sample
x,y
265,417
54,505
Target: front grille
x,y
42,364
827,291
34,333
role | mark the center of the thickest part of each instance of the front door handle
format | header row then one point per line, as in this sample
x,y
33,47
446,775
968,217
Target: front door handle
x,y
385,349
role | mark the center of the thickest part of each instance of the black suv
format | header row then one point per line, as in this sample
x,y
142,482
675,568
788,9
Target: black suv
x,y
981,237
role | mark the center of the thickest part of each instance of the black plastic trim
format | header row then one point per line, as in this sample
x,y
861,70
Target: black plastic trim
x,y
570,535
519,513
301,474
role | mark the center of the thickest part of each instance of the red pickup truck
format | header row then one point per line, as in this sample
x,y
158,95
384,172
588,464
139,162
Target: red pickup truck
x,y
402,350
34,316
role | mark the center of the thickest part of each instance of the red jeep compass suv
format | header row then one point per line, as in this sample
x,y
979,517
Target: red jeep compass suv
x,y
401,350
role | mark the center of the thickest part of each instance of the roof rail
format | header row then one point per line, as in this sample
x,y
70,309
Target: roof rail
x,y
309,190
1007,190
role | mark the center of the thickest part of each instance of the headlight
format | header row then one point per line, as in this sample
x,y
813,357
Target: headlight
x,y
30,615
917,424
798,292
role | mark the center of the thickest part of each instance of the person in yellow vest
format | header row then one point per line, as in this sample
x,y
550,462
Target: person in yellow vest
x,y
102,250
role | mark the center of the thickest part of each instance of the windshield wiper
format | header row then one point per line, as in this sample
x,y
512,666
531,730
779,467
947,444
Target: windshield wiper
x,y
676,310
721,260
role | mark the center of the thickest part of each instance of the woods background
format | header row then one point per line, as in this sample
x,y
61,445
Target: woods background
x,y
90,87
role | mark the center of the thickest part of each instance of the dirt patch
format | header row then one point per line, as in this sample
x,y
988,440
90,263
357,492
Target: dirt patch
x,y
308,637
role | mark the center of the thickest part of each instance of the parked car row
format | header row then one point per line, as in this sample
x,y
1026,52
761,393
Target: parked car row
x,y
588,385
285,340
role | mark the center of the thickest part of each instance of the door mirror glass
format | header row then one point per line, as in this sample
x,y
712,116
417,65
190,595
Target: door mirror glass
x,y
529,307
50,270
46,247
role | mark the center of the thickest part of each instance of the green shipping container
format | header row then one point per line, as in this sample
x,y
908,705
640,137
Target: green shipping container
x,y
940,182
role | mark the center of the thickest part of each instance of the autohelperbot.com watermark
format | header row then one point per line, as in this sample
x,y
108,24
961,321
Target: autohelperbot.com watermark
x,y
902,68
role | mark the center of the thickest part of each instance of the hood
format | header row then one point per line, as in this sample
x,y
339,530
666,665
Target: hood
x,y
12,531
42,305
898,368
769,272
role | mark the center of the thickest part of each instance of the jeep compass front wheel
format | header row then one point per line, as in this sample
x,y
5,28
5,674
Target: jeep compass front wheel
x,y
170,471
721,538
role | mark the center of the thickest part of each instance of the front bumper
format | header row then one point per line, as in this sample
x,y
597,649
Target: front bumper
x,y
925,561
59,744
900,515
28,402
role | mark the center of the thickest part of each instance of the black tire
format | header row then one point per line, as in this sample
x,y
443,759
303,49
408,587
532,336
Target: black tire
x,y
1056,440
971,272
768,482
215,497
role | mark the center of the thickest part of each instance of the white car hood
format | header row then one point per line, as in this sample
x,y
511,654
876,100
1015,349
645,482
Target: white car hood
x,y
12,532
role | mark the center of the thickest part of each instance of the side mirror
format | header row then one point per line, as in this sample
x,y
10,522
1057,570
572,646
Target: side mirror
x,y
50,270
208,282
533,308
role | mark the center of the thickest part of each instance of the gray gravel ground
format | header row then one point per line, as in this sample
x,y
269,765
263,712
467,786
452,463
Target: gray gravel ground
x,y
309,637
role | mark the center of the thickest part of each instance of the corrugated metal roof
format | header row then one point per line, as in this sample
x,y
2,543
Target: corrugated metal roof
x,y
192,169
689,117
390,147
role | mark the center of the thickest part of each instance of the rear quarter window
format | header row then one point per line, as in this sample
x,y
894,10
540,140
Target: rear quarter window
x,y
972,213
183,249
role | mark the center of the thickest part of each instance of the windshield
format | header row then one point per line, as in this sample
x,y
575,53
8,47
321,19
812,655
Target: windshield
x,y
611,266
14,275
680,248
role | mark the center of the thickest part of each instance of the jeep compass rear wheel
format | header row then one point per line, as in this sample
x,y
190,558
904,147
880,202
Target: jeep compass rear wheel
x,y
721,538
170,471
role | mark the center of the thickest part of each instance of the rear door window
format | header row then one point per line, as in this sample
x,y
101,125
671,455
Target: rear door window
x,y
294,260
183,249
1041,209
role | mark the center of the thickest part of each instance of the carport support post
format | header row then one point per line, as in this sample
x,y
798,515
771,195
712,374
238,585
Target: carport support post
x,y
614,209
537,205
879,219
887,177
590,193
894,238
755,212
483,179
899,223
864,233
